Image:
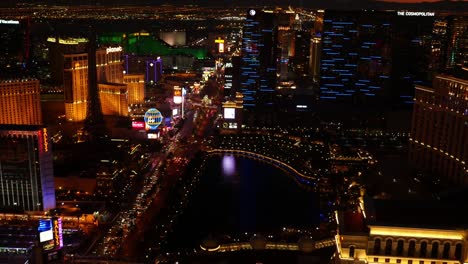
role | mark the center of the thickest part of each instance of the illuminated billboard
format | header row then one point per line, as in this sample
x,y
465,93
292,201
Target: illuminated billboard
x,y
46,236
138,124
175,112
229,113
177,95
45,230
153,119
153,136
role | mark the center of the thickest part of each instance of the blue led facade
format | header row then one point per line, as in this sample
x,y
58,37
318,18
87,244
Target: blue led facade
x,y
356,58
258,62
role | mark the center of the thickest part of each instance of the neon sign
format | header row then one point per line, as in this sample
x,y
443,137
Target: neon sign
x,y
46,142
58,236
138,124
113,49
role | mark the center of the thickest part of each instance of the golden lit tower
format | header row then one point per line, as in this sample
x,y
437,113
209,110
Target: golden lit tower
x,y
136,88
114,99
75,85
110,65
439,131
20,102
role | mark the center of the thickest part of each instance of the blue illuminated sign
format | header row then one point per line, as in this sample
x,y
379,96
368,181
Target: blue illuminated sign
x,y
44,225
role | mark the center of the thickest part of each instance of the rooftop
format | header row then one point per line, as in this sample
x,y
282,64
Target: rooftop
x,y
417,213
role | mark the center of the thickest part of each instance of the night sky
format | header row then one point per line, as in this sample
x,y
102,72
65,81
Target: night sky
x,y
459,5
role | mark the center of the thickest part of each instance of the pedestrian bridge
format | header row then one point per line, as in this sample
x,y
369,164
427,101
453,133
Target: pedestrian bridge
x,y
305,179
238,246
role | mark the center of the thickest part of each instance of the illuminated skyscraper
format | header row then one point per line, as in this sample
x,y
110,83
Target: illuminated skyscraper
x,y
113,98
110,65
136,88
356,58
20,102
75,84
439,132
58,47
259,54
154,69
109,69
457,41
27,179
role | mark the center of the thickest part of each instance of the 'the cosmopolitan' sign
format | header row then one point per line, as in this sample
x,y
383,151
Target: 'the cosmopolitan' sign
x,y
410,13
113,49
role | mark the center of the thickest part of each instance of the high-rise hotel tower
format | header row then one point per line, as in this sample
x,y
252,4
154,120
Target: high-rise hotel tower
x,y
26,169
20,102
439,133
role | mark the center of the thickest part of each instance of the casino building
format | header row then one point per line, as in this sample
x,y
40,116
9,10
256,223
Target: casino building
x,y
20,102
113,85
26,169
407,232
439,132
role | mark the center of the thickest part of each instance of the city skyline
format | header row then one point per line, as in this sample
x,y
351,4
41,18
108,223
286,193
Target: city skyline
x,y
266,134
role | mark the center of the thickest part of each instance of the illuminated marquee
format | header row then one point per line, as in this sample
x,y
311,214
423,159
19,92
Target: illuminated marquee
x,y
113,49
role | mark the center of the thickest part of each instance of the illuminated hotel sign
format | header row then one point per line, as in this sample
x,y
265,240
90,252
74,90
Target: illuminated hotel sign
x,y
46,142
58,236
9,22
113,49
410,13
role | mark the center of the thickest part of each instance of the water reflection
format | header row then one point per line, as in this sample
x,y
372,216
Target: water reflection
x,y
229,165
260,198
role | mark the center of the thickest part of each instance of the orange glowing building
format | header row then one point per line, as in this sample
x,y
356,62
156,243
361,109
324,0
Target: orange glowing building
x,y
109,65
136,88
113,98
439,133
20,102
75,84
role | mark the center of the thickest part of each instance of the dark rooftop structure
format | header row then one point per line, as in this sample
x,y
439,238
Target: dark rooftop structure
x,y
417,213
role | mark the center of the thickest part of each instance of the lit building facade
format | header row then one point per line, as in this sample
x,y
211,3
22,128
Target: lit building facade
x,y
75,86
362,238
26,168
439,132
457,48
154,70
20,102
356,55
259,59
110,65
136,88
113,98
58,47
